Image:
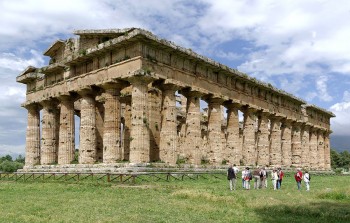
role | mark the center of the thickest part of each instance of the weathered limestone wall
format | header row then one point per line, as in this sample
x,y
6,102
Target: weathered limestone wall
x,y
87,149
66,145
214,131
191,147
154,121
275,142
320,150
263,140
296,145
153,128
249,149
49,137
139,139
286,143
233,141
313,148
168,133
305,145
33,136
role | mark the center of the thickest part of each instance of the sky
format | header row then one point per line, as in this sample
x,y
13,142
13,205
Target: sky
x,y
301,47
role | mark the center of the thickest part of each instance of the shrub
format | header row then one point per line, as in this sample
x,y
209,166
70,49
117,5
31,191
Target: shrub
x,y
10,166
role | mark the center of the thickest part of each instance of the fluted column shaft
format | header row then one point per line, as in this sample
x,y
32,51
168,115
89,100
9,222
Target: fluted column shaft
x,y
286,130
233,144
154,121
49,136
139,134
249,148
305,145
313,149
275,142
327,152
126,129
87,148
33,136
215,155
320,149
66,146
111,129
193,128
263,140
296,145
168,131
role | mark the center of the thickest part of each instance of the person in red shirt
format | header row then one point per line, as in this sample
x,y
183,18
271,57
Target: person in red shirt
x,y
298,177
280,177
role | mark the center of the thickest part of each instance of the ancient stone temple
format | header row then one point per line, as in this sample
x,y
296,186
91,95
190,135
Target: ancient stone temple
x,y
139,99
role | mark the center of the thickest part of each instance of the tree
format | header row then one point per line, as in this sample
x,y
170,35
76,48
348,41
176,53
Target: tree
x,y
7,157
335,159
20,159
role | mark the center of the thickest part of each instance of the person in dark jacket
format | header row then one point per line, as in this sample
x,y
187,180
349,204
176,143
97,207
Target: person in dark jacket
x,y
231,176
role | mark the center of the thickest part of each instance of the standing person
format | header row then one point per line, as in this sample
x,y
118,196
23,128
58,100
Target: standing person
x,y
267,175
235,168
298,177
256,175
263,178
243,177
274,178
247,178
280,178
231,176
307,179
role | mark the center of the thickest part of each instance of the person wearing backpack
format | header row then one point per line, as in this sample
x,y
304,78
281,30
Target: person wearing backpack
x,y
231,176
307,179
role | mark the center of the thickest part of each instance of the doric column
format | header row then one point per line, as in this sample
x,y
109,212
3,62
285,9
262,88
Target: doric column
x,y
33,136
49,135
112,123
154,121
320,149
296,144
313,149
286,130
66,146
263,139
139,134
99,130
233,144
327,151
249,148
87,148
126,127
215,153
192,143
275,141
168,130
305,145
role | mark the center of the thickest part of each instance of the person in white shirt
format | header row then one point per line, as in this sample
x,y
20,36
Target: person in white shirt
x,y
307,179
274,178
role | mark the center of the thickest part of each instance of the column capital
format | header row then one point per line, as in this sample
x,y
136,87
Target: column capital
x,y
213,99
249,109
32,106
169,87
264,113
116,84
140,79
191,93
86,91
231,104
49,103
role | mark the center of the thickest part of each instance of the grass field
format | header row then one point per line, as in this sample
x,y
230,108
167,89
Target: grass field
x,y
204,200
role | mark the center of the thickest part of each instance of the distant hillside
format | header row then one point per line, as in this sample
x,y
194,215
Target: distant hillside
x,y
340,143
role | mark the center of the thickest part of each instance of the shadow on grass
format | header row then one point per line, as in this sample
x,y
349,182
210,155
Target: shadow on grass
x,y
311,212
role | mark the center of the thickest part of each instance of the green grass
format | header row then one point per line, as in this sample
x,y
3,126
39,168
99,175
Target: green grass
x,y
204,200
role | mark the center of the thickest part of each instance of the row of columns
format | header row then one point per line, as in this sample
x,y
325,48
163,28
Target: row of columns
x,y
277,141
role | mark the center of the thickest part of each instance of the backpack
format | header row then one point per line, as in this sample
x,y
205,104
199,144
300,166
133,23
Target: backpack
x,y
250,176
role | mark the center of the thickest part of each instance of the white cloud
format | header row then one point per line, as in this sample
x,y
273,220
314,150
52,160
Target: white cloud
x,y
321,86
341,124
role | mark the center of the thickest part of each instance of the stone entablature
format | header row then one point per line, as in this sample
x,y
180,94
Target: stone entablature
x,y
94,74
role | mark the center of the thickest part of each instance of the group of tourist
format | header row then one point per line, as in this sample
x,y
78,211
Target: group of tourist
x,y
260,176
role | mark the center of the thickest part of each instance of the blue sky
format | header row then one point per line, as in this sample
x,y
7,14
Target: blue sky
x,y
299,46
